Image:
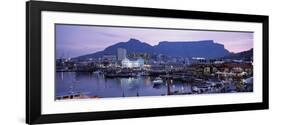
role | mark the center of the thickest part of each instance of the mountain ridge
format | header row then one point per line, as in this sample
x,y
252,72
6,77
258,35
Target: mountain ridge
x,y
203,48
244,55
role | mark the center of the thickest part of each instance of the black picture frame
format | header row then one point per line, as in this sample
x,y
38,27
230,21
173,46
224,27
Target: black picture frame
x,y
33,61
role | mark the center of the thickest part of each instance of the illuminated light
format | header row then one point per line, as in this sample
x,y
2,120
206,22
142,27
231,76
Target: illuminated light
x,y
126,63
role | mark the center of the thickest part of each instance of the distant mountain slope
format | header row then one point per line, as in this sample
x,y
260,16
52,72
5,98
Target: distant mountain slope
x,y
245,55
206,49
132,46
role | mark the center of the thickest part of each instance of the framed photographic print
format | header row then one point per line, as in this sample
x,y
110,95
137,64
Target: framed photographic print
x,y
94,62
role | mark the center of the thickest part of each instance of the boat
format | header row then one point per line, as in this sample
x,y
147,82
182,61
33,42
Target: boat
x,y
158,83
195,89
200,88
121,75
157,80
97,72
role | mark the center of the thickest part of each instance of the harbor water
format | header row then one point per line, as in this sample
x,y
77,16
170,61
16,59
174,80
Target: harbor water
x,y
98,86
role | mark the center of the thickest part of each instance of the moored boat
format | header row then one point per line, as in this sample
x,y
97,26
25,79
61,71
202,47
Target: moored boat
x,y
157,80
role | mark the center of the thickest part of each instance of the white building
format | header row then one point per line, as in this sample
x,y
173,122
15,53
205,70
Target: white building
x,y
195,60
126,63
121,54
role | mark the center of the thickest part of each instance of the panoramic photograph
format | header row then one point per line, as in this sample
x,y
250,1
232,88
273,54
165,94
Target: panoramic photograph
x,y
94,62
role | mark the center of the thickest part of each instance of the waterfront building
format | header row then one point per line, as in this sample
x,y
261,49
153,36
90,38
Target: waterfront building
x,y
121,54
198,60
157,67
218,62
126,63
111,58
207,70
186,61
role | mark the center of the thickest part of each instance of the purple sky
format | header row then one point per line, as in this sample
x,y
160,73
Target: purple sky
x,y
76,40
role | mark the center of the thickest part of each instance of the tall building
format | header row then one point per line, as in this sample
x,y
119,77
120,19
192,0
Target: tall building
x,y
186,61
121,54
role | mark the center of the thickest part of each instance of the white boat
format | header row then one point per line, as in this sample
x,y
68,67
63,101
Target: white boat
x,y
157,80
248,80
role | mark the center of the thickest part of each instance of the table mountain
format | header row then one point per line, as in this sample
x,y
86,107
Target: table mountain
x,y
205,48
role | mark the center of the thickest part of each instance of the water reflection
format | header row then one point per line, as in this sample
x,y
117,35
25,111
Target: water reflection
x,y
96,85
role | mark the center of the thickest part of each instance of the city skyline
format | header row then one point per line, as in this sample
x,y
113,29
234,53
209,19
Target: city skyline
x,y
77,40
